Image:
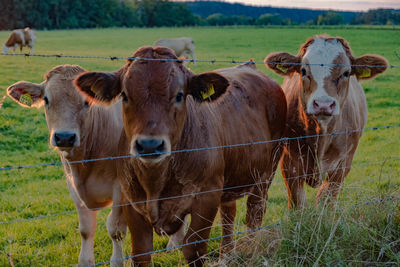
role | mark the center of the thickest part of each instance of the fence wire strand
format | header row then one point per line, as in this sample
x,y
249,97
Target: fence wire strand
x,y
285,139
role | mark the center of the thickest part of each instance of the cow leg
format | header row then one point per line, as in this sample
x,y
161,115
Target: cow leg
x,y
204,210
87,228
31,47
141,236
330,188
294,184
228,214
256,205
116,228
177,238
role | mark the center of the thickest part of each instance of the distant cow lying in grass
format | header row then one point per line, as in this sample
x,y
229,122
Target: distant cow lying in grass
x,y
165,108
324,96
20,37
183,46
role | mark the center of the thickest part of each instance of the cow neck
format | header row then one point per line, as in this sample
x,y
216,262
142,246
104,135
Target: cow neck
x,y
152,178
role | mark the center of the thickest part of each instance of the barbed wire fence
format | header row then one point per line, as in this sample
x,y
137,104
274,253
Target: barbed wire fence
x,y
112,58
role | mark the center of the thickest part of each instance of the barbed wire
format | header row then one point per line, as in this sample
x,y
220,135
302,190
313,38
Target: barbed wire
x,y
112,58
191,194
285,139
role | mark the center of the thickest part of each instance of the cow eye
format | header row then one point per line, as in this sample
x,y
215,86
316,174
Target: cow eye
x,y
46,100
124,97
346,74
303,72
86,104
179,97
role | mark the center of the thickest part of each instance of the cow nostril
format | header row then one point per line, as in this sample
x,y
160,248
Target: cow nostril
x,y
71,139
160,148
315,104
139,148
332,106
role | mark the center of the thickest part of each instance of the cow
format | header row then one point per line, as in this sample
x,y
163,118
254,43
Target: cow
x,y
167,108
183,46
80,132
324,95
20,37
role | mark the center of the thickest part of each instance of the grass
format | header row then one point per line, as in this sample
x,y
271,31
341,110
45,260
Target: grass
x,y
353,233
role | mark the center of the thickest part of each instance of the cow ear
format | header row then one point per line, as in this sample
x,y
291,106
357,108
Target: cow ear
x,y
99,87
283,63
27,94
207,86
368,66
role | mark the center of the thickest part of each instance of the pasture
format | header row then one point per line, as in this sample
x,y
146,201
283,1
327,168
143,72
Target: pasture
x,y
368,233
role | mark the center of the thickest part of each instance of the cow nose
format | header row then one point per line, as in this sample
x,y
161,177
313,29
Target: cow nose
x,y
150,146
64,139
324,107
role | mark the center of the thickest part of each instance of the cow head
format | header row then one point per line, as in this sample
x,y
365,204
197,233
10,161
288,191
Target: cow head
x,y
325,66
154,98
6,49
65,108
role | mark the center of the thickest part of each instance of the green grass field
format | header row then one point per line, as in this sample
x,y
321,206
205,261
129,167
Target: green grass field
x,y
368,234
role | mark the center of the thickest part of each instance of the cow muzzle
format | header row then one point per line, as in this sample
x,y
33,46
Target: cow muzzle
x,y
64,139
150,149
325,108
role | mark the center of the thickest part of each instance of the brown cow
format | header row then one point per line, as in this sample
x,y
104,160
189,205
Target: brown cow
x,y
20,37
165,108
324,96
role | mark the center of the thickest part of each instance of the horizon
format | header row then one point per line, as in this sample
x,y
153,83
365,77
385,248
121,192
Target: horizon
x,y
345,5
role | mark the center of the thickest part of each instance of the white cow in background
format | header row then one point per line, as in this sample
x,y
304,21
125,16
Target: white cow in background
x,y
183,46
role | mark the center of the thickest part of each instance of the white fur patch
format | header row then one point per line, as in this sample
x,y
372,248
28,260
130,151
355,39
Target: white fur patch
x,y
322,52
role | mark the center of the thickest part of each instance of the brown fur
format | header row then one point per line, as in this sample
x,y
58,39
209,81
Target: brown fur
x,y
309,160
252,109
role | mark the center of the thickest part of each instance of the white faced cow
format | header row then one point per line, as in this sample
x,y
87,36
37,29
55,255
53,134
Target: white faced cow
x,y
323,96
20,37
183,46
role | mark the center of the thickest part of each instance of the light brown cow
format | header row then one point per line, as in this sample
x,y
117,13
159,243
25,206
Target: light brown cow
x,y
183,46
20,37
80,132
165,108
324,96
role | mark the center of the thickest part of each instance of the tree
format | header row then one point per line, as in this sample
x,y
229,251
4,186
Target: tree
x,y
269,19
330,18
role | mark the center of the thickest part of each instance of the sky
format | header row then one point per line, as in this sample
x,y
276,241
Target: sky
x,y
354,5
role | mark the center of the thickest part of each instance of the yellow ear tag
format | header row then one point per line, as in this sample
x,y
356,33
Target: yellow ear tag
x,y
282,68
209,93
92,89
365,73
26,99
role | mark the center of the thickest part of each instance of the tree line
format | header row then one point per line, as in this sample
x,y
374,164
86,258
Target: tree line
x,y
66,14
